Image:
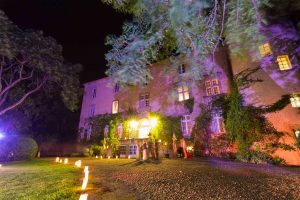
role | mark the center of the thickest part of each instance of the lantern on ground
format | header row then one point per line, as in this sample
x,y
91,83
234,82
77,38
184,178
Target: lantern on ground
x,y
66,161
78,163
57,159
83,197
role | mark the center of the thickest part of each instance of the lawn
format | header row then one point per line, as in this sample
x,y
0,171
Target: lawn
x,y
127,179
39,180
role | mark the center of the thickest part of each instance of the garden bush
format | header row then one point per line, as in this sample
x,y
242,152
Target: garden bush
x,y
17,148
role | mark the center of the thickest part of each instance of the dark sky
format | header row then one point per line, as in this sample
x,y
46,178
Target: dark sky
x,y
80,26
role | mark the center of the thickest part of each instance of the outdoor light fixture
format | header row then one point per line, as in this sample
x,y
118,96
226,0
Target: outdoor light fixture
x,y
83,197
57,159
66,161
78,163
0,165
297,133
108,157
60,161
96,157
117,157
295,100
86,178
2,136
128,157
101,157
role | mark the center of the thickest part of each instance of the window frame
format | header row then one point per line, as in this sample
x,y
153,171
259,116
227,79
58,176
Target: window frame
x,y
94,93
132,149
144,100
265,50
212,87
92,109
217,123
114,109
282,64
184,92
181,69
186,125
122,150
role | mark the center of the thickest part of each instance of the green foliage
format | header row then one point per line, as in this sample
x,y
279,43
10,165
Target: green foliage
x,y
95,150
200,132
256,156
38,65
17,148
165,127
189,104
246,124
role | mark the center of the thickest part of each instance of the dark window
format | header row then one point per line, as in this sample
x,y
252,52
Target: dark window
x,y
181,69
117,87
94,93
144,100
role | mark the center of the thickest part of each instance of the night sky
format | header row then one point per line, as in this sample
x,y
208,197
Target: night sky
x,y
80,26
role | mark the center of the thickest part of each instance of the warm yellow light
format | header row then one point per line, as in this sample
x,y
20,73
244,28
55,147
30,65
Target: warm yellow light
x,y
83,197
166,143
108,157
107,147
159,140
84,183
297,133
78,163
57,159
117,157
96,157
86,178
295,100
133,124
153,122
66,161
0,165
101,157
129,157
284,62
60,160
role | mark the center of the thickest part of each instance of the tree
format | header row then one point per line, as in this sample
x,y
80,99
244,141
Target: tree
x,y
191,29
31,62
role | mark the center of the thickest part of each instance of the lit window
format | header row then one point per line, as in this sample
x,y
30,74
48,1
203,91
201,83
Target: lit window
x,y
117,87
132,150
122,150
181,69
284,62
92,111
297,133
265,49
183,93
212,87
186,125
295,100
115,107
217,124
144,100
94,93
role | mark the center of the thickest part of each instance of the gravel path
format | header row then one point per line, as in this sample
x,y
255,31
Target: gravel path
x,y
192,179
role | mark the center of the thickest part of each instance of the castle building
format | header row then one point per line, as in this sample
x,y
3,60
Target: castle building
x,y
169,88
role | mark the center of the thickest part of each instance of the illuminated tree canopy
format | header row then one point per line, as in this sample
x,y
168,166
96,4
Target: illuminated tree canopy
x,y
175,28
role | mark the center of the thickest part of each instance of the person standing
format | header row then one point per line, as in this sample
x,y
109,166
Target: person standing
x,y
144,146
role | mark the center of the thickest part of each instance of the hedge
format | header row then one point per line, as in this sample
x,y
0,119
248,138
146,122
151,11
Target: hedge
x,y
17,148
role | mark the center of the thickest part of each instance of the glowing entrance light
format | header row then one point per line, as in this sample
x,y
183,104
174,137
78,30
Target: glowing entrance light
x,y
133,124
153,122
83,197
57,159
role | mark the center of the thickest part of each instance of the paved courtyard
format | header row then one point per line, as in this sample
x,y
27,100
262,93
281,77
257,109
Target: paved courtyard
x,y
190,179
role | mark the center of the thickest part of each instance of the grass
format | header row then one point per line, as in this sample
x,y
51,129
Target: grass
x,y
39,180
127,179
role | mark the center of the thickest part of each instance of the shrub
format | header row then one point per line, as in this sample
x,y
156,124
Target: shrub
x,y
95,150
17,148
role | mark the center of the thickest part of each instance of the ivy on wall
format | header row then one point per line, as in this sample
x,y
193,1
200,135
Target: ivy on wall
x,y
189,104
